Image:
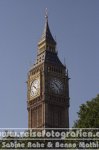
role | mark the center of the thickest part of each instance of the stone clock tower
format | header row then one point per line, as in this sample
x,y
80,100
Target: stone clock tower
x,y
48,87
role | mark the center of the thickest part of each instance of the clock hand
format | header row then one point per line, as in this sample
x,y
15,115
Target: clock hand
x,y
56,85
35,87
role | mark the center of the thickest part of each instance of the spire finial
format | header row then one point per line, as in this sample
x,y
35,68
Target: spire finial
x,y
46,14
65,63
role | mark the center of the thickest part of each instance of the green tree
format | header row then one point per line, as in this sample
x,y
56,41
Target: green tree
x,y
88,115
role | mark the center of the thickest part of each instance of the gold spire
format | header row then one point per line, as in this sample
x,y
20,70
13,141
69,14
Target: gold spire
x,y
46,14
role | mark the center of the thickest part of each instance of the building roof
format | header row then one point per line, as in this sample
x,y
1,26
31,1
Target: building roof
x,y
46,35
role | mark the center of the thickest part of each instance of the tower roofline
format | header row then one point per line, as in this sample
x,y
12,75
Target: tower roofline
x,y
46,35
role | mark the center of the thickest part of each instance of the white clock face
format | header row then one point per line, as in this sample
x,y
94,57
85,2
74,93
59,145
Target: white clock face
x,y
56,86
35,87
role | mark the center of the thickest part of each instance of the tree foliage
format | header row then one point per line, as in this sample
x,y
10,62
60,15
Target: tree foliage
x,y
88,115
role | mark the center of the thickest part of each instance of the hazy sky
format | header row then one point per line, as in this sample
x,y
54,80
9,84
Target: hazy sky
x,y
75,23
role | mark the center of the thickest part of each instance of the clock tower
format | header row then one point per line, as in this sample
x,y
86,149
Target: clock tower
x,y
48,86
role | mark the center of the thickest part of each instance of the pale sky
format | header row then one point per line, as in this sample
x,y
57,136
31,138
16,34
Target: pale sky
x,y
75,23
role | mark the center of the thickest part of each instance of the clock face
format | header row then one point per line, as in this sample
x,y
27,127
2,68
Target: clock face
x,y
35,87
56,86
